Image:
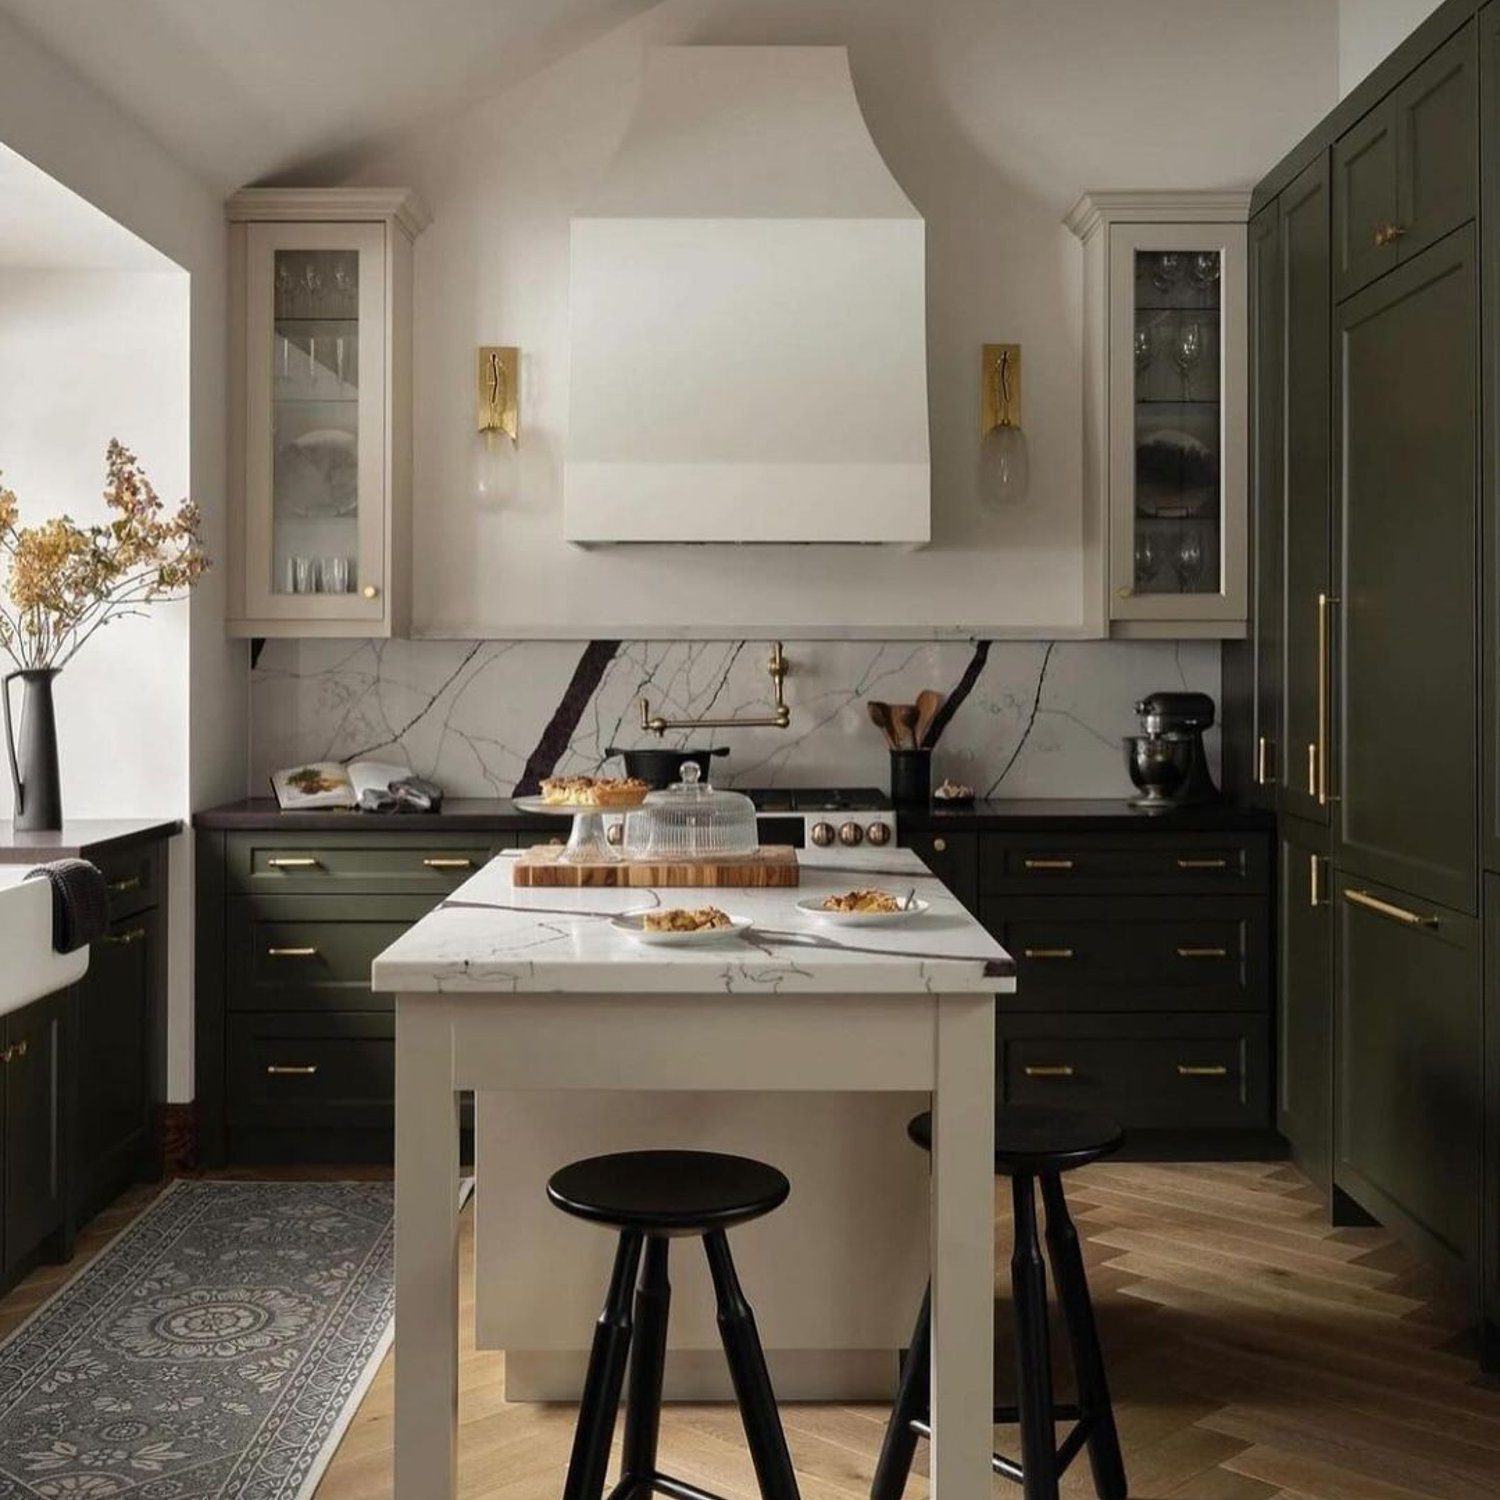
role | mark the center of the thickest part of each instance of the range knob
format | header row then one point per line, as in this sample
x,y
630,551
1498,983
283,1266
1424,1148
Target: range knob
x,y
879,834
822,834
851,834
615,833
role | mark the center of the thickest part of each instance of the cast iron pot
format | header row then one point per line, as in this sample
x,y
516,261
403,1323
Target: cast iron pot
x,y
659,767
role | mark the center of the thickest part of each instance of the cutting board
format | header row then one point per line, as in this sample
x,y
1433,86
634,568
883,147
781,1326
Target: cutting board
x,y
770,865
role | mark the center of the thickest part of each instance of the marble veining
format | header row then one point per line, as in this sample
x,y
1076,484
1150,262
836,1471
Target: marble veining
x,y
1029,718
494,936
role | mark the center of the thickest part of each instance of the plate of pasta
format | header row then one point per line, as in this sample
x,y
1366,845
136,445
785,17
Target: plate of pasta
x,y
868,906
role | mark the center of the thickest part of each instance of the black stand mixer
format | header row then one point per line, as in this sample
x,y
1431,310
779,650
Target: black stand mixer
x,y
1167,761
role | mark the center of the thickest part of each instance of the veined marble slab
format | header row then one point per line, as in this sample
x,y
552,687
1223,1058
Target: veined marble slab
x,y
491,936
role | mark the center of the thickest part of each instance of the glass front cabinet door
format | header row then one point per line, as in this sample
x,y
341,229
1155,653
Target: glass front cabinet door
x,y
321,440
1171,343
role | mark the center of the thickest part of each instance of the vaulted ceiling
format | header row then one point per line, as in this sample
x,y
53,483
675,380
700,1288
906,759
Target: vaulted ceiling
x,y
247,90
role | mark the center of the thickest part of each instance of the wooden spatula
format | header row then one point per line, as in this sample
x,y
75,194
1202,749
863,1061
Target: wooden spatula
x,y
880,717
904,717
928,704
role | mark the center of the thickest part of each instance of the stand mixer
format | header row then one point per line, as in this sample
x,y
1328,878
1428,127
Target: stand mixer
x,y
1167,761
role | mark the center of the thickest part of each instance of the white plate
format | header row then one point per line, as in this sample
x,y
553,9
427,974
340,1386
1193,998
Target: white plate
x,y
813,907
630,923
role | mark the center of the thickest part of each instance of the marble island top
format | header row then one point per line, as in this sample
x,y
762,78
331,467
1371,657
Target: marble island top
x,y
491,936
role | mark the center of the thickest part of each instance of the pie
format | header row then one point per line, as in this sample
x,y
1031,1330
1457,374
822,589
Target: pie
x,y
867,900
681,919
594,791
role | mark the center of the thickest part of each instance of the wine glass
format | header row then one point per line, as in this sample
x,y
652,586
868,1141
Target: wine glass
x,y
1188,563
312,283
1142,350
1187,351
1205,268
1147,558
1168,271
346,281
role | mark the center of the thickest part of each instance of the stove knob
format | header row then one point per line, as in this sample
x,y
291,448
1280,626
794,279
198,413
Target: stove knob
x,y
851,834
879,834
822,834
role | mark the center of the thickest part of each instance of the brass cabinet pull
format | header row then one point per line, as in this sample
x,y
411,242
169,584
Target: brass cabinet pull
x,y
293,862
441,862
370,591
1314,883
127,883
123,939
1048,1070
1046,952
1388,234
292,1070
1388,909
291,952
1202,1070
16,1049
1203,953
939,846
1262,761
1317,757
1312,768
1049,864
1202,864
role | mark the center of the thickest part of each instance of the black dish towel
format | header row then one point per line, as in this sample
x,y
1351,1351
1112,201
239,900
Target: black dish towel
x,y
80,902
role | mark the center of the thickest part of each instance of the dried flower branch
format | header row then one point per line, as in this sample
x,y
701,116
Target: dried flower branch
x,y
66,581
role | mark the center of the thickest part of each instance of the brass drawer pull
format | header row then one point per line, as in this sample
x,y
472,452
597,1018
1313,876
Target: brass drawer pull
x,y
1263,761
1046,952
292,1070
292,862
1203,864
1202,1070
1049,864
438,862
1203,953
16,1049
1388,234
291,952
128,883
1314,884
1048,1070
1386,909
123,939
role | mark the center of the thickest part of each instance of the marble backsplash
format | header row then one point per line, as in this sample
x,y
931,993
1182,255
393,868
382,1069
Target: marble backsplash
x,y
1032,718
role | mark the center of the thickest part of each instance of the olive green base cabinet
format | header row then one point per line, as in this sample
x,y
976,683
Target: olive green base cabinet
x,y
1304,999
34,1053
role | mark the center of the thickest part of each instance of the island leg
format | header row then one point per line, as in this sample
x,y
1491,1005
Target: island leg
x,y
963,1248
426,1425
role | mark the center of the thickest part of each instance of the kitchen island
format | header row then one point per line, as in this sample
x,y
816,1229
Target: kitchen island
x,y
524,992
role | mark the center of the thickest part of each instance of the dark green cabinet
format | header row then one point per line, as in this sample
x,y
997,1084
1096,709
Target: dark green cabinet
x,y
1407,643
953,856
1409,1076
1489,55
1304,1000
1407,173
1489,1226
34,1054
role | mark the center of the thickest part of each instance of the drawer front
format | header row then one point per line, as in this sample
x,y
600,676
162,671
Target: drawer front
x,y
133,877
1137,863
312,952
953,858
393,861
1134,953
1150,1072
301,1071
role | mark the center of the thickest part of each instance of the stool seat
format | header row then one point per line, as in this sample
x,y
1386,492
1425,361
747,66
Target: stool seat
x,y
668,1193
1035,1138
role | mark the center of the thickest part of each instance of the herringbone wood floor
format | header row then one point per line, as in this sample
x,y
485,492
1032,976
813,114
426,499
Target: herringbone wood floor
x,y
1255,1354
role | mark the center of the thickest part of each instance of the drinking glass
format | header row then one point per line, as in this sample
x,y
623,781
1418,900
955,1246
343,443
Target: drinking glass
x,y
1189,562
335,572
1142,350
1187,352
1168,271
305,575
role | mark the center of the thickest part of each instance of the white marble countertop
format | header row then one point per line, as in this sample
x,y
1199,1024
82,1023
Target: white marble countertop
x,y
491,936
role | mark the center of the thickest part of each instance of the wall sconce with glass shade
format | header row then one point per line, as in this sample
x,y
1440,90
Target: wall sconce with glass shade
x,y
498,391
1004,466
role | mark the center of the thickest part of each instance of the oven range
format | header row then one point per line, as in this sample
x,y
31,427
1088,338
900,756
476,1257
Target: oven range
x,y
823,816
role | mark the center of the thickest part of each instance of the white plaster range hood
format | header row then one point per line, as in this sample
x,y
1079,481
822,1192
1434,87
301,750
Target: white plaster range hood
x,y
748,342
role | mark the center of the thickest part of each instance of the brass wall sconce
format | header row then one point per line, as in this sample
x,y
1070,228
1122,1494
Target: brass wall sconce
x,y
779,718
498,396
1004,468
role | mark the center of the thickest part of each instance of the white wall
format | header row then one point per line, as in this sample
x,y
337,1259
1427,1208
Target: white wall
x,y
994,116
1370,30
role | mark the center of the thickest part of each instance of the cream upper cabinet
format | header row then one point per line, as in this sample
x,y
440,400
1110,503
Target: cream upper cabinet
x,y
320,410
1165,412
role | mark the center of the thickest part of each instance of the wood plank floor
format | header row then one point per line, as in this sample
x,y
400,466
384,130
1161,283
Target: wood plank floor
x,y
1255,1354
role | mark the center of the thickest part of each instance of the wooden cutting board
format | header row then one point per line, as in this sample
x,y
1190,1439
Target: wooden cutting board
x,y
770,865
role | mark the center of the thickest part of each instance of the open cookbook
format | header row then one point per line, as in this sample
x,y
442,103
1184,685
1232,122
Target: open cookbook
x,y
326,783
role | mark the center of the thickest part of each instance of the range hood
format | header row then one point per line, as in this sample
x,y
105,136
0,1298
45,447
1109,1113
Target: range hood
x,y
748,319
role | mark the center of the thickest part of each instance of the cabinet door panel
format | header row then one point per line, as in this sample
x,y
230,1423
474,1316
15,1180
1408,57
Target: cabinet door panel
x,y
33,1125
1407,659
1364,199
1436,112
1409,1033
1304,1002
1489,20
1305,250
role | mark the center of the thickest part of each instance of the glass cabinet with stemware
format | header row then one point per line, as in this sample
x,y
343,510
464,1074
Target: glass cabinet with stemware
x,y
320,410
1166,411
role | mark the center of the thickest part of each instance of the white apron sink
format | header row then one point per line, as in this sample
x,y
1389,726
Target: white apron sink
x,y
29,969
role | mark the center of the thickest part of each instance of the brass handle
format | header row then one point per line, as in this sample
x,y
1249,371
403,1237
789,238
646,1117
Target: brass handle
x,y
1202,1070
1049,864
1388,234
129,883
291,952
123,939
7,1054
1046,952
1314,883
1203,864
1312,768
1388,909
1124,591
1262,761
293,862
21,1047
1318,755
1203,953
1048,1070
939,846
292,1070
16,1049
438,862
370,591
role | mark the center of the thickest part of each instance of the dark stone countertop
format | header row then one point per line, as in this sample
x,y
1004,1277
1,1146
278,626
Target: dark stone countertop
x,y
459,815
80,837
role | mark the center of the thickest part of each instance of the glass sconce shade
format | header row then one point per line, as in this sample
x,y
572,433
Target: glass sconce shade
x,y
495,479
1004,467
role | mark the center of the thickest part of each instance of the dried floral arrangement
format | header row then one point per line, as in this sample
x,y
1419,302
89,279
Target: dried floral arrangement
x,y
66,581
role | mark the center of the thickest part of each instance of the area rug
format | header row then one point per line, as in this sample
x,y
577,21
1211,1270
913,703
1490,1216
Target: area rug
x,y
217,1348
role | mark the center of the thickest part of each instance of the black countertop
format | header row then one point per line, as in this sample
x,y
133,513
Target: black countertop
x,y
459,815
81,837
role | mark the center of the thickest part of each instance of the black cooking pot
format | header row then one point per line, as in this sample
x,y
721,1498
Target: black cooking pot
x,y
658,767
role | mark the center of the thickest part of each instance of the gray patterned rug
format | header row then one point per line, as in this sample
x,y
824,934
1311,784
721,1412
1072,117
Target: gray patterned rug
x,y
216,1348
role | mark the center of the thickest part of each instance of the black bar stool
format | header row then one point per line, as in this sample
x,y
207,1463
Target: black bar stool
x,y
651,1198
1033,1144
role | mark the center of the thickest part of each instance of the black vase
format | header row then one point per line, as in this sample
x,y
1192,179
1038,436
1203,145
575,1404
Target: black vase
x,y
33,757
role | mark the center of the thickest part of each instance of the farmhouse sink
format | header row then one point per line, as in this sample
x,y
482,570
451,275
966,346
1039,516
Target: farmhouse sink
x,y
29,968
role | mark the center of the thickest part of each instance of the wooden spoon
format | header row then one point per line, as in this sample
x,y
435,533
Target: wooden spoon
x,y
880,717
928,704
904,717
